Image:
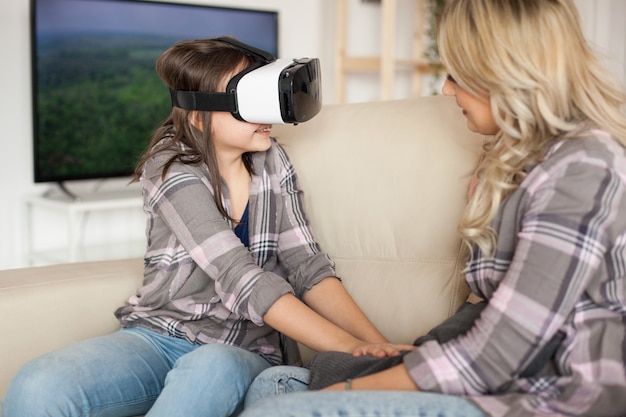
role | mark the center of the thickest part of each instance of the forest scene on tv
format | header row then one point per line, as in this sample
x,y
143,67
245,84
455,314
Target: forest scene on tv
x,y
99,99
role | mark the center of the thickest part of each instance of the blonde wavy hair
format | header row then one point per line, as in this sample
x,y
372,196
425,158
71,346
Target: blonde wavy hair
x,y
544,82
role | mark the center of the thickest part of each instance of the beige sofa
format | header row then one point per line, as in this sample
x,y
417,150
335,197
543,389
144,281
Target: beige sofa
x,y
385,184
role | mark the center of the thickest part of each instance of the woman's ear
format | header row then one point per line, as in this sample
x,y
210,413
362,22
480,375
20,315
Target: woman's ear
x,y
196,119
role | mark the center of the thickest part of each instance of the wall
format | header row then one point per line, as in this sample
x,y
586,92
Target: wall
x,y
603,22
306,30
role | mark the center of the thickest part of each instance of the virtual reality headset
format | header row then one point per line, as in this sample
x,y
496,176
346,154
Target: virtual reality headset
x,y
272,91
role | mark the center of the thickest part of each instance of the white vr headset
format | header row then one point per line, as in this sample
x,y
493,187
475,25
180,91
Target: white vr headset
x,y
272,91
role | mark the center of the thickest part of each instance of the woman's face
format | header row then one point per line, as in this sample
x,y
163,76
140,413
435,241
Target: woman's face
x,y
477,110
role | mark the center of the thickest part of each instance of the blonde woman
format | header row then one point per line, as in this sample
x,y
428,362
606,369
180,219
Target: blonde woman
x,y
546,224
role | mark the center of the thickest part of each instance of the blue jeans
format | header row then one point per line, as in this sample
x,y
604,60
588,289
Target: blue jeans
x,y
278,380
134,371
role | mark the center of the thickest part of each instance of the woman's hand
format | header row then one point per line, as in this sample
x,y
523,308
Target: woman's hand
x,y
380,350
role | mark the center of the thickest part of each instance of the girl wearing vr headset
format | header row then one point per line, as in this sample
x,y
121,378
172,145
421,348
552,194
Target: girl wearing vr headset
x,y
232,272
546,223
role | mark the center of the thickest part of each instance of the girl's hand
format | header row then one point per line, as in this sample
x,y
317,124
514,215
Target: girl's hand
x,y
380,350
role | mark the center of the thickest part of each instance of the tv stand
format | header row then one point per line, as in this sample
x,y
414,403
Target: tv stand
x,y
75,210
67,192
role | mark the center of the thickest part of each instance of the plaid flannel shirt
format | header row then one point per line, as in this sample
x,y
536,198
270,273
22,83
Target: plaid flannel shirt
x,y
560,265
200,282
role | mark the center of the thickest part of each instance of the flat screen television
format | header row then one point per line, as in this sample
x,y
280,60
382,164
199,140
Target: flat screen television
x,y
96,96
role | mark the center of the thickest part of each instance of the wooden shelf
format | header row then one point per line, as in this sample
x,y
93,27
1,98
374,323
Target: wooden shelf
x,y
386,65
373,64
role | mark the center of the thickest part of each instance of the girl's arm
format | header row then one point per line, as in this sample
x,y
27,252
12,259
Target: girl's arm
x,y
295,319
330,299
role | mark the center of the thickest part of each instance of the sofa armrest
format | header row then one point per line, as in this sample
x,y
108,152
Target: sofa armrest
x,y
45,308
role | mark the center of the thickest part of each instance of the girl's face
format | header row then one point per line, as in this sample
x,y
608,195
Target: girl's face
x,y
231,137
234,137
477,110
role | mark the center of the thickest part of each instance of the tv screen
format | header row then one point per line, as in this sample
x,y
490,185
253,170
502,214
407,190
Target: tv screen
x,y
96,96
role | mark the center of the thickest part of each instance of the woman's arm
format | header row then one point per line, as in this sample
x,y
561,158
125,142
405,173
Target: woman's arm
x,y
396,378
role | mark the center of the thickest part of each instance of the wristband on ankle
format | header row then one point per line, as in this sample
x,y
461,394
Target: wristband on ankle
x,y
348,384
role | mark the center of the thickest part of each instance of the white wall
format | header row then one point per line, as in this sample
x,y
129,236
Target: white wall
x,y
604,22
307,29
15,168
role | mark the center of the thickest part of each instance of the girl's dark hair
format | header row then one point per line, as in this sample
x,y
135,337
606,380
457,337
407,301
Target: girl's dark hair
x,y
204,65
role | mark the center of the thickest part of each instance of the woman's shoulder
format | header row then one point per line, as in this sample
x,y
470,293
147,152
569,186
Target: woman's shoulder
x,y
583,160
594,147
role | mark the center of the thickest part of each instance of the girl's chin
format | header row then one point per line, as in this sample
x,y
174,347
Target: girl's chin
x,y
263,143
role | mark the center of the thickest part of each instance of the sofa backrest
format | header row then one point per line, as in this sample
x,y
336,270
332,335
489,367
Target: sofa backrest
x,y
384,186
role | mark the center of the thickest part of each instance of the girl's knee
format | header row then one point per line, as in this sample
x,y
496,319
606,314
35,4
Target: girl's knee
x,y
36,390
277,380
285,375
215,376
223,360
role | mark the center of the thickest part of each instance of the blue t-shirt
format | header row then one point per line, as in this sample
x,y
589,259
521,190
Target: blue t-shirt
x,y
241,230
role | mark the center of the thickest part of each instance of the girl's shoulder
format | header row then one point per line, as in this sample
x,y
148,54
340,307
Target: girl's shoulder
x,y
276,148
172,156
274,159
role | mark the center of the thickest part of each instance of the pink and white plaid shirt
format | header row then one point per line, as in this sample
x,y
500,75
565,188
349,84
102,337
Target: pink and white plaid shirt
x,y
560,265
200,282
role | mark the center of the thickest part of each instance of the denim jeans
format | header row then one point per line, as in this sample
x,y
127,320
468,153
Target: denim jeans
x,y
278,380
130,372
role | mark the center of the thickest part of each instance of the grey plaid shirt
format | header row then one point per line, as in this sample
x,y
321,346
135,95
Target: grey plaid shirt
x,y
560,266
200,283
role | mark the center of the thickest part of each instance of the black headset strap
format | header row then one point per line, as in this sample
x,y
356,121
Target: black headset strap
x,y
196,100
